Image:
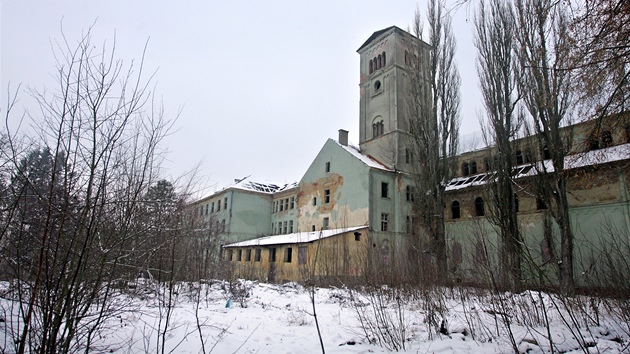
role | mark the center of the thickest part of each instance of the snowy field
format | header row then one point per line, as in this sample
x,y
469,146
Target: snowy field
x,y
266,318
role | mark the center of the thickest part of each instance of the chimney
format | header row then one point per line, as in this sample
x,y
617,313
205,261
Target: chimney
x,y
343,137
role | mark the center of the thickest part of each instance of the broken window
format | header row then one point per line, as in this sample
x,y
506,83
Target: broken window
x,y
384,190
302,254
327,196
384,221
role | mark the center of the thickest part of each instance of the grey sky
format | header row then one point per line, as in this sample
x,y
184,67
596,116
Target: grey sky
x,y
261,84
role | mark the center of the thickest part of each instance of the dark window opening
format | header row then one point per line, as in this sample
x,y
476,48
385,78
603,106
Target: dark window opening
x,y
377,129
326,223
371,67
384,190
288,255
327,196
292,204
327,166
519,157
407,156
314,200
225,204
239,255
409,194
465,169
479,207
607,140
384,60
593,142
377,86
540,204
379,62
357,236
488,165
272,254
257,255
473,168
313,228
248,255
230,255
455,210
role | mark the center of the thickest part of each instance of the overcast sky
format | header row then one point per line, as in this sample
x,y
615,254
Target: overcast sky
x,y
261,85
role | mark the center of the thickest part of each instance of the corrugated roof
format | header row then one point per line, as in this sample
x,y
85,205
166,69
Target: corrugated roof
x,y
294,238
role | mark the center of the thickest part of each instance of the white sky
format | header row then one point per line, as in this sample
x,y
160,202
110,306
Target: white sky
x,y
261,84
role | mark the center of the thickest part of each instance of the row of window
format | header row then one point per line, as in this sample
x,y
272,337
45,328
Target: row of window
x,y
480,208
245,255
378,62
283,204
209,208
521,157
283,227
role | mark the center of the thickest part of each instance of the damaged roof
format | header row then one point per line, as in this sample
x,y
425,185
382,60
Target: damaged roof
x,y
294,238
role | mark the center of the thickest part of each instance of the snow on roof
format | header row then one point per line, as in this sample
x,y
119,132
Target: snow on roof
x,y
354,151
583,159
248,184
299,237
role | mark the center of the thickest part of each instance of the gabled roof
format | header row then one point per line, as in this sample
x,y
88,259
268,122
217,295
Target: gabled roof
x,y
354,151
294,238
376,35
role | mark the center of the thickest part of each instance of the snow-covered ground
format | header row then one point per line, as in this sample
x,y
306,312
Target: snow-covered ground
x,y
266,318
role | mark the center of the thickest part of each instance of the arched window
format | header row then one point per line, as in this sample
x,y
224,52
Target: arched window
x,y
379,62
377,128
371,67
473,168
455,210
480,209
384,61
465,169
545,153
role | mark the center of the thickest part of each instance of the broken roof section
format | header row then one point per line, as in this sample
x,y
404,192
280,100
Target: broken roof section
x,y
270,188
294,238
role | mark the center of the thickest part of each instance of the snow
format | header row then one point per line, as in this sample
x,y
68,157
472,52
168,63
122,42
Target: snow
x,y
294,238
266,318
356,152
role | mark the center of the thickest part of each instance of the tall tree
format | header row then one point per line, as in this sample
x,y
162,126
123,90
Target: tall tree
x,y
495,41
433,121
544,54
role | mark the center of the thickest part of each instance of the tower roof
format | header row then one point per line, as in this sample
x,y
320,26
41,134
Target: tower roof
x,y
378,34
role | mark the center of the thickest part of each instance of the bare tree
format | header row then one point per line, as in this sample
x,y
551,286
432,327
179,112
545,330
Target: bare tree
x,y
543,51
101,130
433,121
495,40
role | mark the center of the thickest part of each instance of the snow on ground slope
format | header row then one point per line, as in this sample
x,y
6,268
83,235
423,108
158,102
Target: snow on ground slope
x,y
266,318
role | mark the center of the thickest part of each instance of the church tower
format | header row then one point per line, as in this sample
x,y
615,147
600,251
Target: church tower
x,y
385,61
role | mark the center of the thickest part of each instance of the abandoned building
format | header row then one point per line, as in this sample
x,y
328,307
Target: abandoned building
x,y
351,213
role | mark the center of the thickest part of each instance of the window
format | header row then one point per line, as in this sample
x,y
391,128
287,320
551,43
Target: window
x,y
292,202
379,62
409,193
371,66
407,156
519,157
230,255
545,153
239,255
540,204
302,254
377,129
457,253
473,168
325,224
288,255
272,254
313,228
384,190
274,229
212,210
286,204
479,207
248,255
286,227
480,253
607,140
225,203
384,61
465,169
281,205
455,213
384,221
314,200
290,226
357,236
327,196
218,206
327,166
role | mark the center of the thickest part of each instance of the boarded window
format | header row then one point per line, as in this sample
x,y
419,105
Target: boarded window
x,y
302,254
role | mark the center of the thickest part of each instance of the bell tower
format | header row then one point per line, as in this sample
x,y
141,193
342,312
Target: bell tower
x,y
385,61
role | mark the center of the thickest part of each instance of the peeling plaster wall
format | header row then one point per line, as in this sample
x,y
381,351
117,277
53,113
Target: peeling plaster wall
x,y
348,183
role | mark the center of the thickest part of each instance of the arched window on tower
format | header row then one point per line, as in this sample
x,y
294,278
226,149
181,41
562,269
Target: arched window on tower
x,y
455,210
371,67
379,61
480,209
377,129
384,61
